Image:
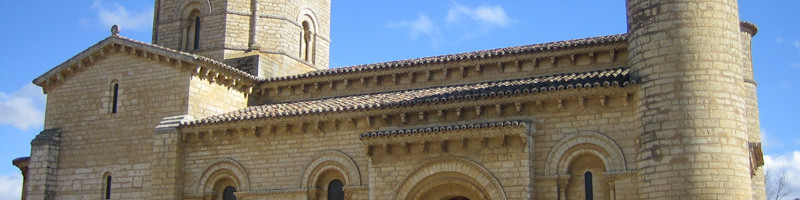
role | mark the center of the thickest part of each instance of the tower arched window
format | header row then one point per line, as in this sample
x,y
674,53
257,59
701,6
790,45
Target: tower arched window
x,y
227,193
307,42
587,185
336,190
107,188
193,28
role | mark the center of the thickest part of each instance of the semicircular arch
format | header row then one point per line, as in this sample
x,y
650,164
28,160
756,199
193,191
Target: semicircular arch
x,y
331,160
478,175
574,145
222,169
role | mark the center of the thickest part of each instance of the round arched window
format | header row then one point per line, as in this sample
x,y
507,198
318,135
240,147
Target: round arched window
x,y
336,190
227,193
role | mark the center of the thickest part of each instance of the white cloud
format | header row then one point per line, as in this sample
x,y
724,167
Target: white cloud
x,y
421,26
485,15
10,187
21,108
789,163
461,23
111,14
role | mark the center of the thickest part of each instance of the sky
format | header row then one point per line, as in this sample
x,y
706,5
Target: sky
x,y
38,35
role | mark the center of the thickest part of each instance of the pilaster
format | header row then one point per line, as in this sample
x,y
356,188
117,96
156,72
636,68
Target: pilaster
x,y
168,158
43,165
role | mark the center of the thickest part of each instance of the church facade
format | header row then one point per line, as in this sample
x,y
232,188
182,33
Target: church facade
x,y
234,100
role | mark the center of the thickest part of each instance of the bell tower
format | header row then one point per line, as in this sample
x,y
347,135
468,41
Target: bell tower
x,y
266,38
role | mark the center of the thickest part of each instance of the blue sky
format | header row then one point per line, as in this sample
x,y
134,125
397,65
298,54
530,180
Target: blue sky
x,y
38,35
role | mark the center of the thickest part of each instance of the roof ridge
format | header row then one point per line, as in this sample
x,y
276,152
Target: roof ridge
x,y
547,46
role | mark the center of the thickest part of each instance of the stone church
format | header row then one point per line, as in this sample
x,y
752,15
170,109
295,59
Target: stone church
x,y
234,99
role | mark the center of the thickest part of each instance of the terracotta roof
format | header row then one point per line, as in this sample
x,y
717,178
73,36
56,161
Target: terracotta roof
x,y
399,132
152,48
608,77
550,46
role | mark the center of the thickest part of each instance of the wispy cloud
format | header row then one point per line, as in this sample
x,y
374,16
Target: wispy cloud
x,y
767,141
484,15
114,13
790,163
10,187
21,108
460,23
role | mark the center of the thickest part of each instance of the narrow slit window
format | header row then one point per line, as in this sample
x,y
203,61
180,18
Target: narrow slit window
x,y
115,99
108,188
587,178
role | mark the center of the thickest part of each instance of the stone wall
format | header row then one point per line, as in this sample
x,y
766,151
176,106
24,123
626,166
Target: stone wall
x,y
95,141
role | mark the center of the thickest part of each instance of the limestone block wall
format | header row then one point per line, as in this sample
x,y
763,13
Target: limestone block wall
x,y
208,98
95,141
688,57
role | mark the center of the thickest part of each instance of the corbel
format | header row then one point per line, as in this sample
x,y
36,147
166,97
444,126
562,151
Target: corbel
x,y
445,72
554,61
582,101
185,137
458,113
346,83
626,99
286,128
603,100
518,64
336,125
484,142
464,143
572,59
318,126
368,119
518,105
612,53
385,119
232,80
353,122
368,149
504,140
303,88
59,77
403,118
407,147
421,116
440,114
500,67
592,59
100,54
249,89
463,71
316,85
262,90
200,136
411,77
270,129
478,110
394,78
427,75
249,131
499,109
213,77
443,145
331,84
363,82
386,149
277,90
560,103
259,131
478,68
423,146
377,79
535,63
